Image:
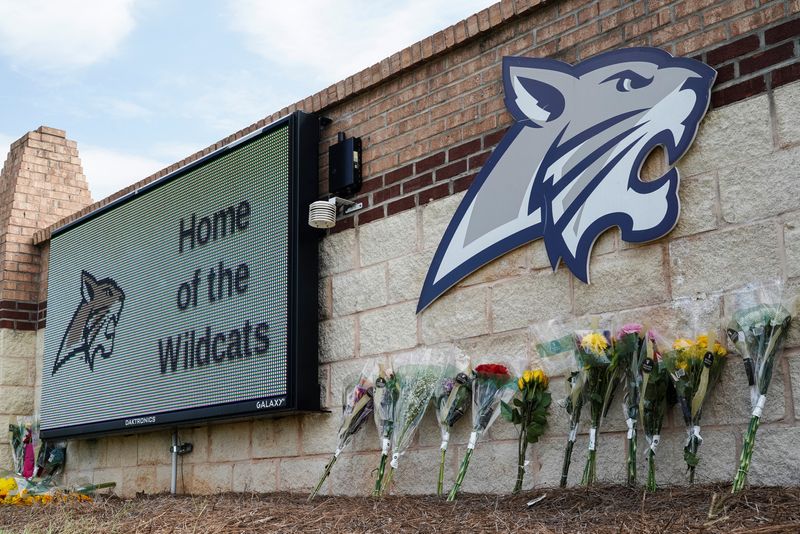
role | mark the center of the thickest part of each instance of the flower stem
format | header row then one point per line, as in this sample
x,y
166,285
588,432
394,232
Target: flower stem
x,y
379,481
440,483
632,460
461,472
387,482
694,444
522,449
747,455
651,470
323,477
589,474
567,461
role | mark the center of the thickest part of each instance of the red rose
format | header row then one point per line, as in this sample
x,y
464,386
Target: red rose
x,y
492,369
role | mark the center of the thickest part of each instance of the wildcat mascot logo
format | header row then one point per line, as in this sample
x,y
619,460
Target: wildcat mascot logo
x,y
568,169
93,326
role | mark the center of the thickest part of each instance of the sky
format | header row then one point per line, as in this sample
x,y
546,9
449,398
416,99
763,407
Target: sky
x,y
141,84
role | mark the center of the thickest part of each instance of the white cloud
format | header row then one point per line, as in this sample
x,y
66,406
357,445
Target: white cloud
x,y
108,170
333,40
60,34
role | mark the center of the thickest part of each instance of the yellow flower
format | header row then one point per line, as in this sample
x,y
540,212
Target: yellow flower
x,y
594,342
541,378
521,384
682,343
702,342
527,376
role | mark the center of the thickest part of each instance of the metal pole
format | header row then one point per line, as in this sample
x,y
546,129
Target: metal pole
x,y
174,479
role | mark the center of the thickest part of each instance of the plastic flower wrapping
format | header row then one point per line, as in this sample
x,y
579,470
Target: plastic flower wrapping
x,y
594,354
357,407
32,457
653,392
417,375
528,412
557,352
492,383
384,401
695,362
451,400
625,371
758,320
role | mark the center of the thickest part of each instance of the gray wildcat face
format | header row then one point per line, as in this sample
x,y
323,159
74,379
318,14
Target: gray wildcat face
x,y
569,168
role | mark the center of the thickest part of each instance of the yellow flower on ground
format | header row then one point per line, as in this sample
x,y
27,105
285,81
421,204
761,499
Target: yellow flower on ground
x,y
594,342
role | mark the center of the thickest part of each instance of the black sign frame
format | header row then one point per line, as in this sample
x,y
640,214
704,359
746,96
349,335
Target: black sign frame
x,y
303,390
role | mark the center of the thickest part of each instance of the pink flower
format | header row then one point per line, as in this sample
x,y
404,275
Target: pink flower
x,y
630,328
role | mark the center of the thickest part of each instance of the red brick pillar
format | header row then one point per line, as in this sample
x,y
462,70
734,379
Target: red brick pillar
x,y
41,183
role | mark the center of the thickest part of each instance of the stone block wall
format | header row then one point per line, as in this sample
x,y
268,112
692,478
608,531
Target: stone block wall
x,y
429,116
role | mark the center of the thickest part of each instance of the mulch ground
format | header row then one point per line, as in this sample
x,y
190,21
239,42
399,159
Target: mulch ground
x,y
597,510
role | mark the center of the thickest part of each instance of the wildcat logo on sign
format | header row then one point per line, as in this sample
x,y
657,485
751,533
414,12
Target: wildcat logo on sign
x,y
93,326
568,169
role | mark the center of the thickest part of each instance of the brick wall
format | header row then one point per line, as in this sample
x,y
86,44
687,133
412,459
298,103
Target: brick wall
x,y
429,116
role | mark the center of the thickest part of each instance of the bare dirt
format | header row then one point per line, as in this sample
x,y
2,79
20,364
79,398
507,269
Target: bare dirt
x,y
599,509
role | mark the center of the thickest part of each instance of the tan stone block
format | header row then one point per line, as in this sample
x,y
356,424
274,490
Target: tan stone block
x,y
17,372
199,438
610,466
418,472
724,260
791,240
115,474
775,457
18,344
435,218
230,441
760,187
458,314
388,329
121,451
718,457
337,253
207,479
139,480
787,112
729,135
357,291
300,475
337,339
325,299
729,402
630,278
257,476
87,454
353,474
164,478
493,468
535,297
508,265
429,434
698,206
388,238
153,448
406,275
274,438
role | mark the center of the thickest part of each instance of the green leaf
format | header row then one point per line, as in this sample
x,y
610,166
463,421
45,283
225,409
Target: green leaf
x,y
546,399
691,459
506,411
518,402
533,433
517,417
539,418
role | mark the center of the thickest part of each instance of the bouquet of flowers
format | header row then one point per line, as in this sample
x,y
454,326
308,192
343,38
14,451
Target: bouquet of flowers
x,y
25,445
492,383
653,398
18,490
625,369
528,413
384,401
694,365
758,324
451,400
417,377
357,406
557,352
594,358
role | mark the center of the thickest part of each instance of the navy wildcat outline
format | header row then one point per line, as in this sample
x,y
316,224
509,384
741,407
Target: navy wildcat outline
x,y
579,265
